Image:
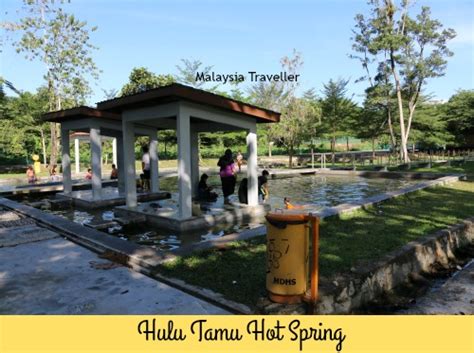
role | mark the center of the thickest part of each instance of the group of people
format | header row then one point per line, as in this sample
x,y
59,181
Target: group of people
x,y
229,167
113,173
32,178
228,174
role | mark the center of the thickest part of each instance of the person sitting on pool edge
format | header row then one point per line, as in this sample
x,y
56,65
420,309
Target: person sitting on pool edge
x,y
262,188
243,188
114,172
263,185
145,176
89,174
31,175
205,192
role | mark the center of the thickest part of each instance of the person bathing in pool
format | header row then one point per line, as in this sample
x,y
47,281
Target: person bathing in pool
x,y
290,206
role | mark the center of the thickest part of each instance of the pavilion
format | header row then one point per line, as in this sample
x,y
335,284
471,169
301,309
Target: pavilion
x,y
186,109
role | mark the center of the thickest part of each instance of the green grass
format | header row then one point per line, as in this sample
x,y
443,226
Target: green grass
x,y
21,175
465,168
362,236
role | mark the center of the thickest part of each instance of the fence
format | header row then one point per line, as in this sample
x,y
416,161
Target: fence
x,y
381,158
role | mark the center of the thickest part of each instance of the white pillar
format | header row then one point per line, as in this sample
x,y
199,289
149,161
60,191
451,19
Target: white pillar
x,y
129,163
96,154
184,165
66,162
194,161
252,168
120,165
114,151
155,181
77,155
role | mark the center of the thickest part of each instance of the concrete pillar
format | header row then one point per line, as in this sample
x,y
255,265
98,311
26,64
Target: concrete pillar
x,y
252,168
120,165
114,151
194,161
155,181
184,165
129,163
77,155
96,154
66,162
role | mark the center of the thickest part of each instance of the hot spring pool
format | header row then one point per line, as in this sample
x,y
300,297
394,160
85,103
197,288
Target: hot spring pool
x,y
320,190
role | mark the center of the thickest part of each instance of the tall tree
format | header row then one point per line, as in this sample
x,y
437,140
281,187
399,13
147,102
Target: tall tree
x,y
459,112
62,43
429,129
414,48
372,119
296,125
336,109
276,95
142,79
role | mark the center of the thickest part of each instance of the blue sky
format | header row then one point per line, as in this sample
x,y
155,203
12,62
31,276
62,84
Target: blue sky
x,y
237,36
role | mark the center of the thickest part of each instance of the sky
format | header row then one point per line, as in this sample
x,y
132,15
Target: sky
x,y
237,36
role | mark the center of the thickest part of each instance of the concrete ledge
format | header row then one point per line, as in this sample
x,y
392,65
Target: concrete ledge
x,y
349,292
51,187
166,219
88,202
362,173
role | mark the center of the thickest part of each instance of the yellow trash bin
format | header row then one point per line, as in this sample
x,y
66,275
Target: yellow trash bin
x,y
287,257
36,163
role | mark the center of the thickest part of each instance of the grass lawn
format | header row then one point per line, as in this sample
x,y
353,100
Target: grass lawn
x,y
361,236
22,175
466,168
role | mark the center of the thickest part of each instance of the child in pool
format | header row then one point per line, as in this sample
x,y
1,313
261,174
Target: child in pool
x,y
89,174
289,205
30,175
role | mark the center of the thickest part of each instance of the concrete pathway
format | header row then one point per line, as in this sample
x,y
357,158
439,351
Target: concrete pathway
x,y
455,296
56,276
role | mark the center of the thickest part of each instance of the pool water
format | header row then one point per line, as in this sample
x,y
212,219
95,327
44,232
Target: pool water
x,y
321,190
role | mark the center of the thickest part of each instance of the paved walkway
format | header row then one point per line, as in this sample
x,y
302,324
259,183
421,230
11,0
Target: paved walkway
x,y
455,296
56,276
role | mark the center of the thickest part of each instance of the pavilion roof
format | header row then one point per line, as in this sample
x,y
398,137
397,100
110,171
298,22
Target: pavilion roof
x,y
176,92
112,108
79,113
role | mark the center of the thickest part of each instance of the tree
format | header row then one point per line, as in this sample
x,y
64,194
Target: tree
x,y
415,50
188,73
275,95
429,129
22,131
295,126
141,79
371,119
459,112
62,43
336,109
110,93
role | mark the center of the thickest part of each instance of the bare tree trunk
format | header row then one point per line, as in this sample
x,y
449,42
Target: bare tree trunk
x,y
43,145
373,150
290,156
53,159
333,146
403,147
347,143
269,149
